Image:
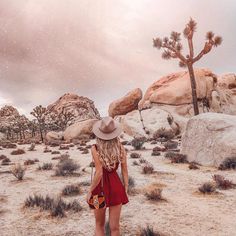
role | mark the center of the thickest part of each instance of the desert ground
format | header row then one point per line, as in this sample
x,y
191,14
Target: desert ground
x,y
185,211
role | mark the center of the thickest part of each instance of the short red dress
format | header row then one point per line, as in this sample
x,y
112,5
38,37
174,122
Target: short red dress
x,y
113,189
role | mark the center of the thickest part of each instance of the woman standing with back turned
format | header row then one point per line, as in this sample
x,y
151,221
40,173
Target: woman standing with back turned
x,y
108,153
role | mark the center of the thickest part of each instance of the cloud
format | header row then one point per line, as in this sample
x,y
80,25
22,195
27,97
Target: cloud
x,y
99,49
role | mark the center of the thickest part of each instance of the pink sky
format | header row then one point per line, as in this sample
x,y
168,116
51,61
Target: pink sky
x,y
100,49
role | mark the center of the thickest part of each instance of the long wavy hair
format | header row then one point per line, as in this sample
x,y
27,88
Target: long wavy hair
x,y
110,152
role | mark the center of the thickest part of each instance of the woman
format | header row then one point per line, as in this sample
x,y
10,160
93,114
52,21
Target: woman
x,y
107,153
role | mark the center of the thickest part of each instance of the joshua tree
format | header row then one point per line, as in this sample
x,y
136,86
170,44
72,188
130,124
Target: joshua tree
x,y
173,49
39,113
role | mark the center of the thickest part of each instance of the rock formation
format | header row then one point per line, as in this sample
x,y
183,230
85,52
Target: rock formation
x,y
210,138
82,107
125,104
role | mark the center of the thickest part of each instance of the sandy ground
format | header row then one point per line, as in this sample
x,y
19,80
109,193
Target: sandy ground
x,y
186,212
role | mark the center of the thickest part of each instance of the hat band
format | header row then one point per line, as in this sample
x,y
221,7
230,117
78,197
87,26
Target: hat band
x,y
107,131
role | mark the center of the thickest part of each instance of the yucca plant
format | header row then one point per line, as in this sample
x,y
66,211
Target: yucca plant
x,y
173,49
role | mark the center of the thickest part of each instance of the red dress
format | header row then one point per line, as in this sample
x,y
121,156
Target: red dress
x,y
113,188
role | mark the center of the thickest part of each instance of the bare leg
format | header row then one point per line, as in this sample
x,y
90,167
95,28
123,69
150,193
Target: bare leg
x,y
100,216
114,219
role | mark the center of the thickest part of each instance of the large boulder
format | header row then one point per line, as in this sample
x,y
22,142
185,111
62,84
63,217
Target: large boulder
x,y
79,129
81,107
175,89
54,136
125,104
146,122
210,138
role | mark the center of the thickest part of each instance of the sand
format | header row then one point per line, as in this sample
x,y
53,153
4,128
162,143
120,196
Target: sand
x,y
186,212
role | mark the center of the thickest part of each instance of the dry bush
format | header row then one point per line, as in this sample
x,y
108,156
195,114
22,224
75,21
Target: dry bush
x,y
45,166
88,146
153,142
176,157
71,190
18,152
107,229
223,183
137,143
156,151
64,147
135,163
64,156
29,162
66,167
207,188
9,145
18,171
142,161
228,163
56,207
6,161
85,183
171,145
193,166
148,169
92,164
154,195
135,155
55,152
149,231
32,147
85,151
46,150
163,133
2,157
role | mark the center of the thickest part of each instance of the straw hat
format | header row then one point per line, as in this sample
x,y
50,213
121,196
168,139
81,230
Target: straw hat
x,y
107,128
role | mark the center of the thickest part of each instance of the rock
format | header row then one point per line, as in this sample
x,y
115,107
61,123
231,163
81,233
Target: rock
x,y
8,115
210,138
125,104
82,107
54,136
153,119
79,129
175,89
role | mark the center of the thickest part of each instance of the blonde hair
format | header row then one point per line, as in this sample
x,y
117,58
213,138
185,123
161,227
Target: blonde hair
x,y
110,152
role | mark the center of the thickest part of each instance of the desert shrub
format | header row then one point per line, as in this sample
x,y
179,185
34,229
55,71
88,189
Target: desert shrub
x,y
232,86
92,164
56,207
154,194
2,157
55,152
148,169
29,162
64,147
66,167
6,161
85,183
223,183
135,155
45,166
46,149
142,161
138,142
153,142
9,145
18,152
18,171
156,151
71,190
207,188
32,147
107,229
88,146
135,163
176,157
171,144
131,185
193,166
228,163
149,231
85,151
163,133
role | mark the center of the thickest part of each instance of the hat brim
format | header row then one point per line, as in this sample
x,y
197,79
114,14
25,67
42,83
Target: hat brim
x,y
106,136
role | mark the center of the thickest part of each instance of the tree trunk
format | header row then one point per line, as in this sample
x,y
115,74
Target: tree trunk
x,y
194,89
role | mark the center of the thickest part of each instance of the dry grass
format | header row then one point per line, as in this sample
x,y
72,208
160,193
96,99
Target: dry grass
x,y
155,194
66,167
71,190
45,166
223,183
149,231
135,155
18,171
228,163
148,169
18,152
207,188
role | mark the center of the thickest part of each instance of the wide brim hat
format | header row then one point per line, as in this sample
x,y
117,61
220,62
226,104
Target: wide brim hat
x,y
107,128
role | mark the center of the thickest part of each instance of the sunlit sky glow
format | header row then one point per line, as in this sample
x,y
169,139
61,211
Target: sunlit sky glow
x,y
100,49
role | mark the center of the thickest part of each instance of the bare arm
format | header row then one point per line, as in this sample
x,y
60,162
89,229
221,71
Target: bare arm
x,y
124,171
98,169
